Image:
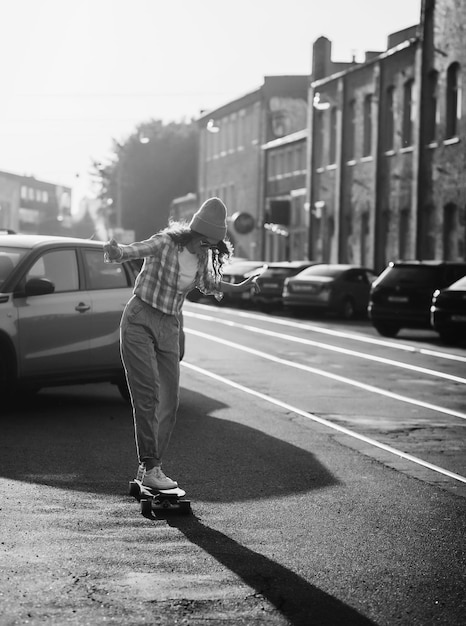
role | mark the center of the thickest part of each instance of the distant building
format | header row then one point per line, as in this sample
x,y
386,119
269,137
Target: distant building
x,y
184,207
231,159
29,205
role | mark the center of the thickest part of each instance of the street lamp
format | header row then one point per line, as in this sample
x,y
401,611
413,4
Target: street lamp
x,y
319,104
212,127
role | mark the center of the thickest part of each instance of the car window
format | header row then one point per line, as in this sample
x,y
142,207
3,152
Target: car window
x,y
321,270
419,275
9,259
103,275
58,266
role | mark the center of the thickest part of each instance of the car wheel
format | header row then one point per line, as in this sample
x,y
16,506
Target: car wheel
x,y
386,329
347,310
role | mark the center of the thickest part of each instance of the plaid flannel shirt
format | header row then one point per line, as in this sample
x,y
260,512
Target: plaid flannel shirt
x,y
157,282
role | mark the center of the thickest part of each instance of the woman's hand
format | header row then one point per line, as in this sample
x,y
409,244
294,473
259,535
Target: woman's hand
x,y
112,251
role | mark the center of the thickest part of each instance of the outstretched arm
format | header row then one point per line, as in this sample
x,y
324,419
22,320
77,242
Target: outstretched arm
x,y
249,283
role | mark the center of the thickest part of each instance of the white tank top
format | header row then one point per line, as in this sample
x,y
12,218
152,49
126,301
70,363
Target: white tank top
x,y
188,268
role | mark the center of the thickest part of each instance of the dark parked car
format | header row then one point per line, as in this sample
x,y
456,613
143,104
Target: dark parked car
x,y
60,311
332,288
236,272
448,311
401,296
271,283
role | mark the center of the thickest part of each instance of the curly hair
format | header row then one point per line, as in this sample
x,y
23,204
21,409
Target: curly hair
x,y
181,234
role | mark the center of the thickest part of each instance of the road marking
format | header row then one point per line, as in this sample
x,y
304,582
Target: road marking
x,y
325,346
396,345
337,377
324,422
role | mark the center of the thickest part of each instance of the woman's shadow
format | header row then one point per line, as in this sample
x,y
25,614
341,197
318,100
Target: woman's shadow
x,y
215,459
224,461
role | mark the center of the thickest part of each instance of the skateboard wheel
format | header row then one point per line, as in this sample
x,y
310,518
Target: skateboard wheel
x,y
133,489
146,509
185,507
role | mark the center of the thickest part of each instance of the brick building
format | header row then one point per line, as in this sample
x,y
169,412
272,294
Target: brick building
x,y
231,159
33,206
386,176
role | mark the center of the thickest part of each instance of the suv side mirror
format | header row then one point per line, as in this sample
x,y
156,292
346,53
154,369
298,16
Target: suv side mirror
x,y
39,287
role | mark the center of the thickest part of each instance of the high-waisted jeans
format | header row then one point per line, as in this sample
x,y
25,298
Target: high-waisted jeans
x,y
149,342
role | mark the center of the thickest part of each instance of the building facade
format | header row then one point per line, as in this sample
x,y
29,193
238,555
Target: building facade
x,y
386,176
286,221
231,159
32,206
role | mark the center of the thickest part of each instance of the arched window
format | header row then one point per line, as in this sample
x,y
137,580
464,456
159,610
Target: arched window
x,y
332,153
453,94
431,106
351,148
389,127
367,138
407,130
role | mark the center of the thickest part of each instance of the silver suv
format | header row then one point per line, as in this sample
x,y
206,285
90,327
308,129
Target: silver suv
x,y
60,311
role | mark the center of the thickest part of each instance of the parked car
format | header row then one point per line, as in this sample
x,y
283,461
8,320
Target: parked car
x,y
331,288
401,296
236,272
271,283
448,311
60,310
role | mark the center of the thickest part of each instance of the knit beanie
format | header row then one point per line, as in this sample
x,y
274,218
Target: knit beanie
x,y
211,219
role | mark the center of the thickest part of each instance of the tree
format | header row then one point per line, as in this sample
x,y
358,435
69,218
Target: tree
x,y
156,164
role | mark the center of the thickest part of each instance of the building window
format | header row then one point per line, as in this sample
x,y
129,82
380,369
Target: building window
x,y
407,130
289,161
351,148
367,137
431,106
319,138
24,192
272,166
332,153
453,100
389,126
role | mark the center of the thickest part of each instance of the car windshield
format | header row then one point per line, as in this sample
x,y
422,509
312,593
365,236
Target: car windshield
x,y
420,276
9,259
321,270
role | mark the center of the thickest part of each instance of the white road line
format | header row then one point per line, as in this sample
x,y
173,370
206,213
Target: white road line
x,y
324,422
325,346
395,345
337,377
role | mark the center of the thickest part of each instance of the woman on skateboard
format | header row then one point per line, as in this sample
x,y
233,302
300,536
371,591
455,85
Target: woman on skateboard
x,y
176,259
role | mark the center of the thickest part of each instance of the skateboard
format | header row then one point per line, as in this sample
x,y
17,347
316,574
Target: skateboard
x,y
159,500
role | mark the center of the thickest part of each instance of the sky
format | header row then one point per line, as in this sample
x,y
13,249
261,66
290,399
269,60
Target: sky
x,y
76,74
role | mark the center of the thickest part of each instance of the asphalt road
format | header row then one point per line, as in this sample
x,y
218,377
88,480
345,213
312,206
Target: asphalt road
x,y
294,522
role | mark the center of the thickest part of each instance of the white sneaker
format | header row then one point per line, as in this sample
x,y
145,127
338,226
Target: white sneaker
x,y
156,479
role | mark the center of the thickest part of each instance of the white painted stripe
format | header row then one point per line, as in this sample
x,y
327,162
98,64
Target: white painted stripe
x,y
326,346
337,377
324,422
395,345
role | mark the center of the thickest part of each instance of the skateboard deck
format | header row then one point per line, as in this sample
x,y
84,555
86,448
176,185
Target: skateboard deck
x,y
159,500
